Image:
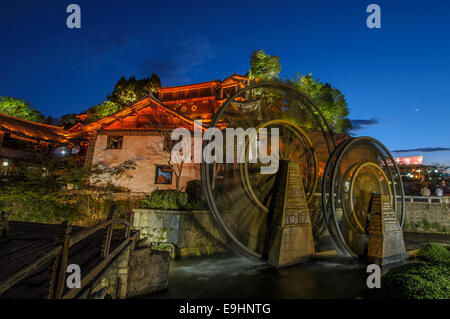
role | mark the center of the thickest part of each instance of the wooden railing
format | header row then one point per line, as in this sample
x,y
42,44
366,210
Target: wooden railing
x,y
12,153
57,258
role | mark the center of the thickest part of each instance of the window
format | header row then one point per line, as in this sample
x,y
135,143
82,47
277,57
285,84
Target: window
x,y
114,142
163,175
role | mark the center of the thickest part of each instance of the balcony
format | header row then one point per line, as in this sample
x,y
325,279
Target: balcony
x,y
10,153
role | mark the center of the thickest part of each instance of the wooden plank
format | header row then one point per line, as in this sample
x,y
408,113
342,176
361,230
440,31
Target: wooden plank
x,y
15,246
27,271
64,240
87,232
92,274
11,263
4,227
106,245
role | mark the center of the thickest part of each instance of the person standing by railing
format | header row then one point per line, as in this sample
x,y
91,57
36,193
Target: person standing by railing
x,y
439,191
425,191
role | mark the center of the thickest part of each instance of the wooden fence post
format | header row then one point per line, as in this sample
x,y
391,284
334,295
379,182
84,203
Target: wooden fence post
x,y
4,227
128,227
59,266
106,245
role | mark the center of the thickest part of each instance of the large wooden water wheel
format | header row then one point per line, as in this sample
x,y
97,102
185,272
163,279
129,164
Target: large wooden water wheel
x,y
239,193
358,168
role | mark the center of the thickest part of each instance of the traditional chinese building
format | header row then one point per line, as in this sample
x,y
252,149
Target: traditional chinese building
x,y
134,133
22,140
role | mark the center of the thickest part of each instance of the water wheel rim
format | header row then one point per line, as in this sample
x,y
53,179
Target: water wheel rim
x,y
244,166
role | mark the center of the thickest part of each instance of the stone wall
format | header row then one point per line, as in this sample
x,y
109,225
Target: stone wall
x,y
192,233
152,277
136,271
434,214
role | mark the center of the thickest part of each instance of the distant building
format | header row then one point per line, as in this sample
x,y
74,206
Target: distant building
x,y
22,140
411,160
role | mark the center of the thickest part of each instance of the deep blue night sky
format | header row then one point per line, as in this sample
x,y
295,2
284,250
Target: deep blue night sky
x,y
396,79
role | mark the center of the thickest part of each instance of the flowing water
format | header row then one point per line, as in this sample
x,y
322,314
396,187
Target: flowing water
x,y
232,276
238,277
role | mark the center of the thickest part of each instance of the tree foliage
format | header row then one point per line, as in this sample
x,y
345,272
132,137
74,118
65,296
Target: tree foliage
x,y
131,90
63,190
102,110
69,120
332,103
263,66
126,92
20,108
330,100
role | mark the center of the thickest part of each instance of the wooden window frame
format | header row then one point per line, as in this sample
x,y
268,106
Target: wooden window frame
x,y
109,142
157,167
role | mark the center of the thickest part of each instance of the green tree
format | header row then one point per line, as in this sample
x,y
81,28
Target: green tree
x,y
155,84
330,100
69,120
20,108
131,90
102,110
263,66
125,93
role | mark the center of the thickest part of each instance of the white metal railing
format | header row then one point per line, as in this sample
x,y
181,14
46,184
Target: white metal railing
x,y
417,199
428,199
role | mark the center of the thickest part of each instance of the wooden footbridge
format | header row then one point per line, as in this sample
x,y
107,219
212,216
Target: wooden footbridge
x,y
34,257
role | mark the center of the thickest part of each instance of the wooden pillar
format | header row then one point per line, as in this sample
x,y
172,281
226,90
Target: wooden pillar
x,y
106,245
128,227
122,273
90,150
4,227
58,268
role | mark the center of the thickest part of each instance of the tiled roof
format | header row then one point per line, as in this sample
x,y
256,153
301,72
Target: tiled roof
x,y
32,130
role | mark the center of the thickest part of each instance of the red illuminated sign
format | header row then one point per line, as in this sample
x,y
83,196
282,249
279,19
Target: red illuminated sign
x,y
412,160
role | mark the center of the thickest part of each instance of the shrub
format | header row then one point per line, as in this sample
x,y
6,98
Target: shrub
x,y
166,199
436,226
426,224
194,190
171,200
413,281
418,281
40,193
427,279
434,253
